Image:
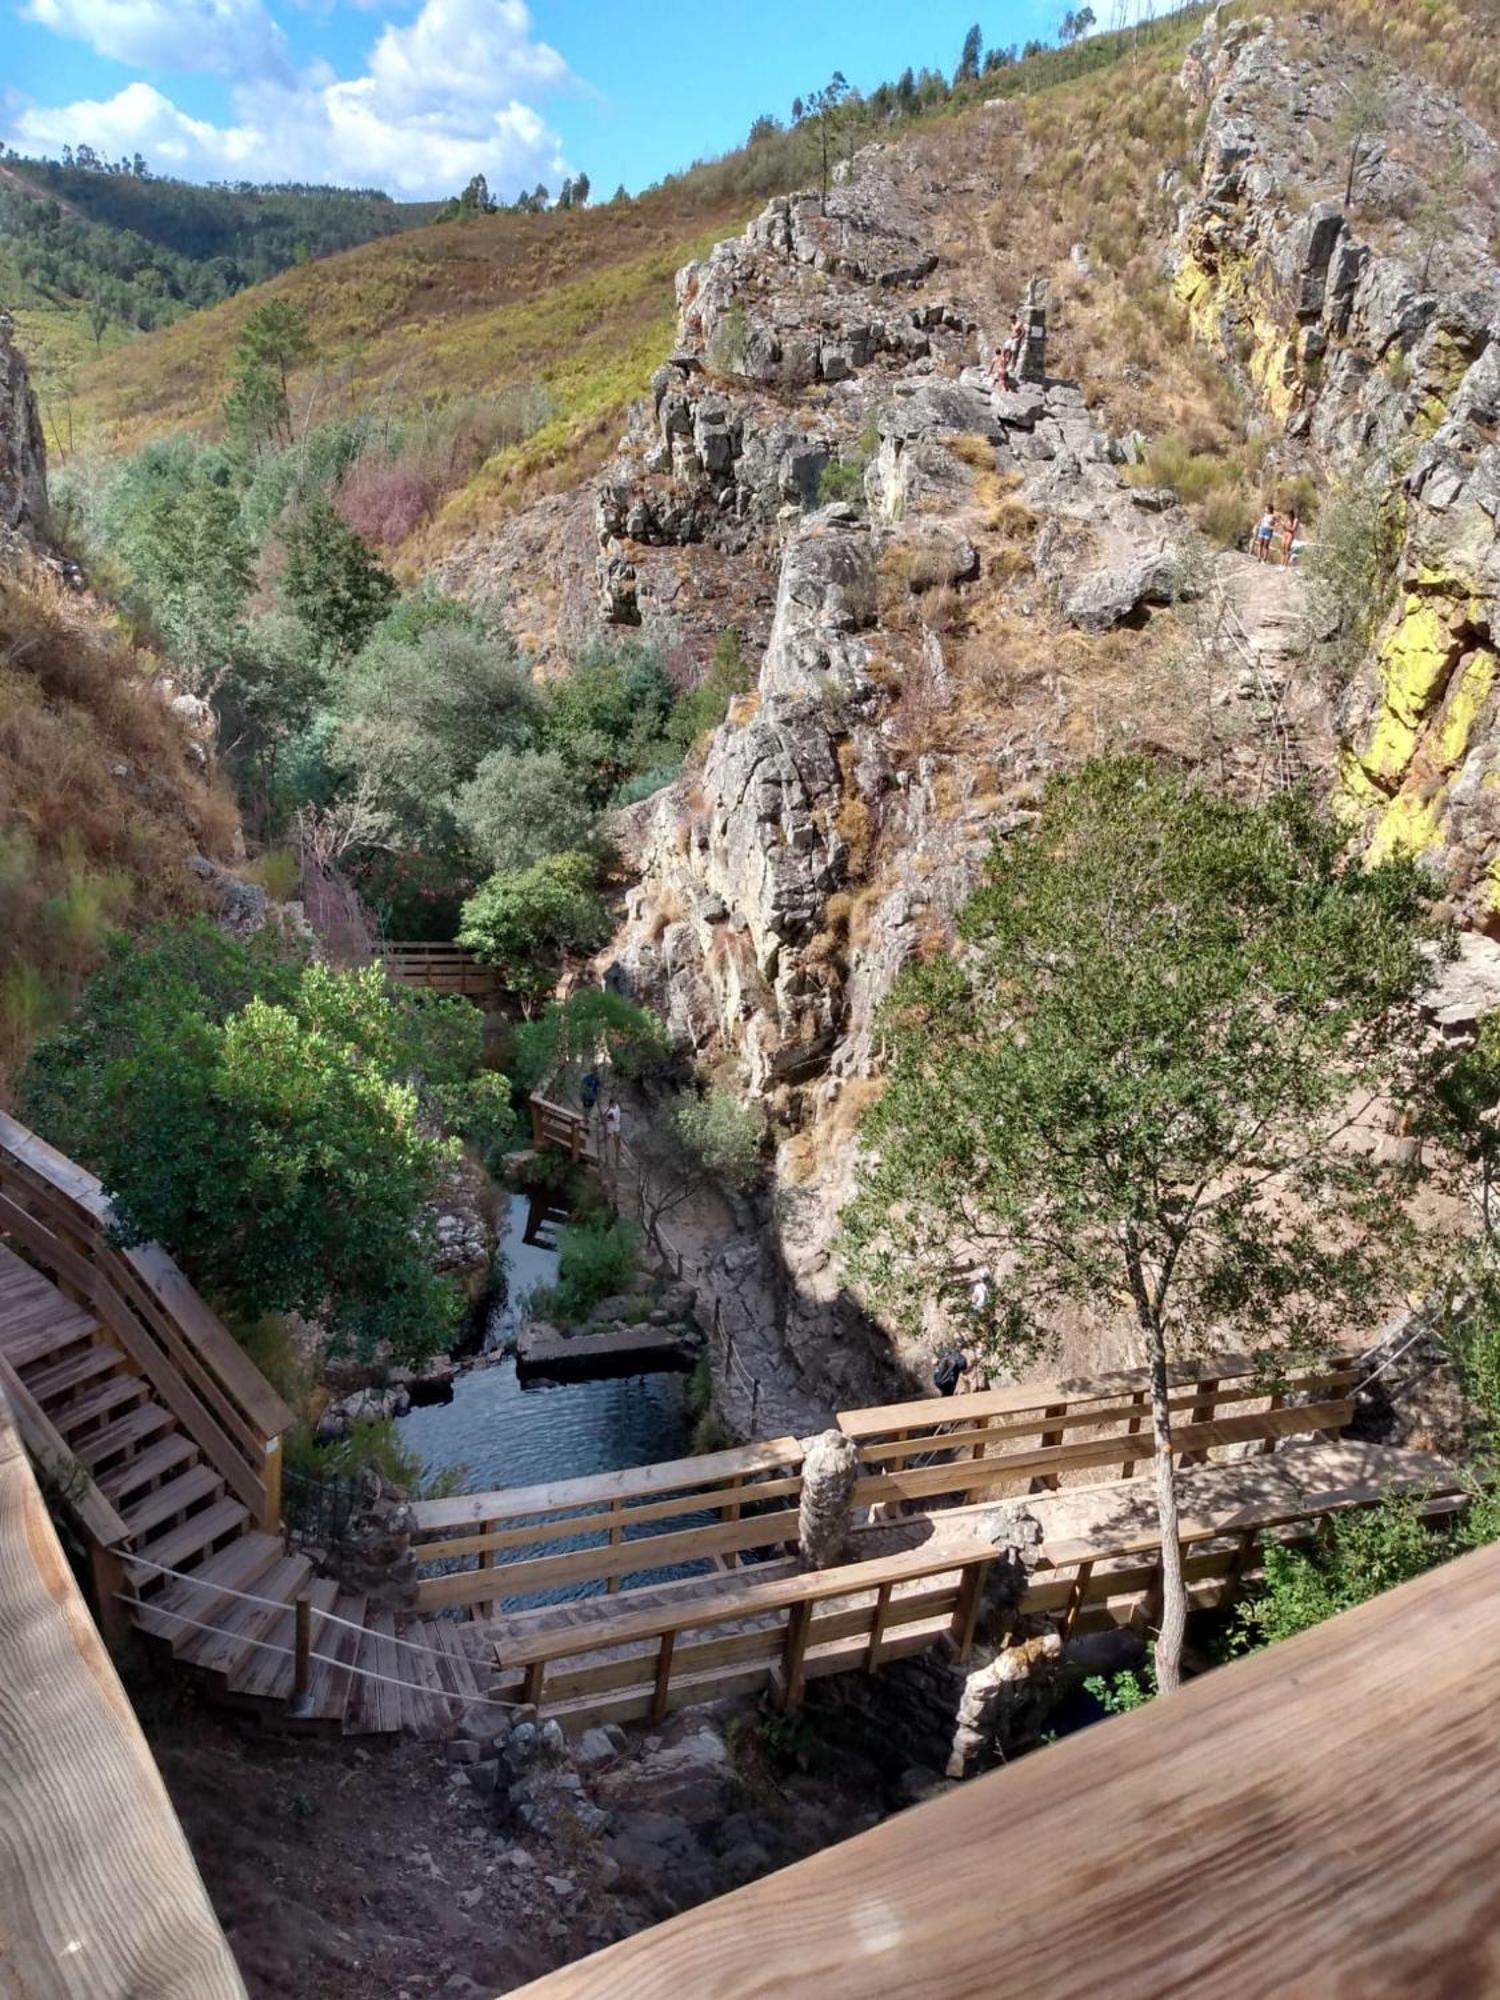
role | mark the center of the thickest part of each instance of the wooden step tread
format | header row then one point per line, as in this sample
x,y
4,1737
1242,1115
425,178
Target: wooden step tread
x,y
426,1710
188,1489
202,1596
374,1705
46,1384
132,1429
230,1649
165,1455
119,1392
178,1546
23,1350
267,1675
332,1681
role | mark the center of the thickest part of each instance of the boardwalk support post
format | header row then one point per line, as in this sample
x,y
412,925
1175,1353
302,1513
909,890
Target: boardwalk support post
x,y
300,1705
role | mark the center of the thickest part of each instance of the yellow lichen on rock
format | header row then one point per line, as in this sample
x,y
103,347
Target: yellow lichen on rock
x,y
1415,661
1410,825
1461,711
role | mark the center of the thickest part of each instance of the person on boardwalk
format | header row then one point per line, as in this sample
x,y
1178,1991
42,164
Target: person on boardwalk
x,y
1264,534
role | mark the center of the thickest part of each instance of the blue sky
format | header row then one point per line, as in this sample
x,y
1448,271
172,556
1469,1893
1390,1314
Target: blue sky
x,y
417,95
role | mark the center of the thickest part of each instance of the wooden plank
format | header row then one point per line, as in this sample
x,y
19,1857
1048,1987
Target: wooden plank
x,y
506,1503
614,1522
95,1511
619,1626
1315,1833
99,1896
924,1481
522,1579
1035,1396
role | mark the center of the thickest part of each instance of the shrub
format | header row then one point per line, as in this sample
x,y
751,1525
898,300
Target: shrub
x,y
842,479
596,1259
524,922
702,708
1360,1554
522,805
251,1114
386,499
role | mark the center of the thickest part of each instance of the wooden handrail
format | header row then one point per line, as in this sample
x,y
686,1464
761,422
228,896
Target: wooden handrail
x,y
99,1896
52,1453
1294,1823
61,1215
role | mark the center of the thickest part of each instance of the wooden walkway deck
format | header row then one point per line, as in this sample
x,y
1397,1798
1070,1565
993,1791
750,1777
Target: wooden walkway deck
x,y
1319,1820
99,1896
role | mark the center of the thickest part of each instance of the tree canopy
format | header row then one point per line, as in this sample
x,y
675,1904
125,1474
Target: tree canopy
x,y
1135,1087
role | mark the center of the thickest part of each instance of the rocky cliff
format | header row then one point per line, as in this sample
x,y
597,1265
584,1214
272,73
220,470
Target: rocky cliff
x,y
1369,334
23,453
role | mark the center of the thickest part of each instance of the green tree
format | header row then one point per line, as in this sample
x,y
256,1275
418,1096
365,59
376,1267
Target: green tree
x,y
332,581
825,111
593,1028
1129,1089
193,565
526,922
968,61
521,805
256,1118
704,707
1363,112
272,342
606,715
427,699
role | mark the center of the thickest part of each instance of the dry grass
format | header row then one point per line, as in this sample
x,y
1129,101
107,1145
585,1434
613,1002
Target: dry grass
x,y
99,808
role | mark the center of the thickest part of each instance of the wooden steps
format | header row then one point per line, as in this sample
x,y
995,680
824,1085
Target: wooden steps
x,y
153,1484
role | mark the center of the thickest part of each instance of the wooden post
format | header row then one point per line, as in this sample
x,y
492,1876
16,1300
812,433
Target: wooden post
x,y
730,1511
531,1690
793,1657
107,1572
270,1508
877,1627
754,1402
966,1615
616,1536
1204,1404
1238,1564
1269,1444
485,1608
301,1701
1045,1481
1133,1429
663,1676
1075,1599
976,1451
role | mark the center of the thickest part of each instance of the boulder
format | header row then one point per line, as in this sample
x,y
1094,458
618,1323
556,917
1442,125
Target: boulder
x,y
830,1471
1108,597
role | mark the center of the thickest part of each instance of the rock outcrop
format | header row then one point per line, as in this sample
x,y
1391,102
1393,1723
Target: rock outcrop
x,y
1374,349
23,451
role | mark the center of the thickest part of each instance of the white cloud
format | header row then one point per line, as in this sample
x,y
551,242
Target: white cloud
x,y
441,99
225,37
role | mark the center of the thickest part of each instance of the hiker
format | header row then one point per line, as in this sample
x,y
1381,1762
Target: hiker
x,y
949,1370
588,1089
979,1293
612,1134
1296,549
1000,366
1289,537
1263,535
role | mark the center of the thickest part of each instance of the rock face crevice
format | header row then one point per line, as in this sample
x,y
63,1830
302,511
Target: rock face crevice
x,y
23,451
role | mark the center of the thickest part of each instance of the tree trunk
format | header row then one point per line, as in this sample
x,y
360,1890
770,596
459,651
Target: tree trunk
x,y
1173,1586
1353,164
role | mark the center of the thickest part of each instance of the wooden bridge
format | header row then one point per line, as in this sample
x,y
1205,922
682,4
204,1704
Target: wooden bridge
x,y
682,1584
442,968
164,1441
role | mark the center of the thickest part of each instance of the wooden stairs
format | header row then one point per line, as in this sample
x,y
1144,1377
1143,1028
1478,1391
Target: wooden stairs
x,y
229,1612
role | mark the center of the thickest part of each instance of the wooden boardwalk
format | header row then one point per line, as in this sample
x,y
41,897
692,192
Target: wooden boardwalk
x,y
99,1896
1319,1820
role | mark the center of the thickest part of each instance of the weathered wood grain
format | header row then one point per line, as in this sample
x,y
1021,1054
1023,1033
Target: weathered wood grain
x,y
99,1897
1317,1822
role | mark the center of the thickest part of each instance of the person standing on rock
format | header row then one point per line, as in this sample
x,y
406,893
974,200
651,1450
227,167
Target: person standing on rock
x,y
1263,535
1289,538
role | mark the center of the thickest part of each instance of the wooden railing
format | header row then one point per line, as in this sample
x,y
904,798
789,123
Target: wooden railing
x,y
445,968
788,1630
99,1896
1037,1434
503,1531
559,1125
994,1442
59,1215
1320,1819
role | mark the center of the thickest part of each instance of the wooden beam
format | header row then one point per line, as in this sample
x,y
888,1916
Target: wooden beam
x,y
1313,1830
99,1896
